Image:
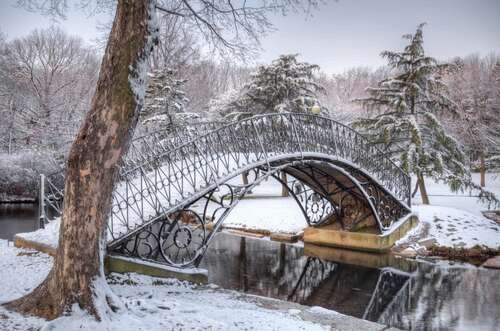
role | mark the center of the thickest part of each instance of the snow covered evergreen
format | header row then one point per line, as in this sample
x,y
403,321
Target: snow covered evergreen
x,y
165,101
405,124
286,85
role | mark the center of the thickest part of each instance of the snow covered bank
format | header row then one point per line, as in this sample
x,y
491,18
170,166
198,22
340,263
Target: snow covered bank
x,y
441,195
454,228
48,236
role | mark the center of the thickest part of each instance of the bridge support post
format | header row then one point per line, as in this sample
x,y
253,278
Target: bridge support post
x,y
360,241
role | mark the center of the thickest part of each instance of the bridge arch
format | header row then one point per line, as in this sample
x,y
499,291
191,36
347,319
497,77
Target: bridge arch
x,y
157,204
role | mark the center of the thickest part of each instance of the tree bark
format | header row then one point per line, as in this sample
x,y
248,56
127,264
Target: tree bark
x,y
482,169
77,274
423,190
284,188
415,190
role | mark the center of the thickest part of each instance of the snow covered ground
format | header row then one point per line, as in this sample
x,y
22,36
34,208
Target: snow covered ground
x,y
452,227
441,195
269,214
455,219
149,303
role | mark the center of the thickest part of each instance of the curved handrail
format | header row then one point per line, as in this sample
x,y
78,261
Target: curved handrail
x,y
174,177
173,138
256,117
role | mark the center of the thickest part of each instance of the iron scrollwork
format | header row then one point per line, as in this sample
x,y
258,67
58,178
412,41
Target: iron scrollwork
x,y
165,177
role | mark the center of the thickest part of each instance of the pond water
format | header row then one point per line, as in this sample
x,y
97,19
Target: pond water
x,y
409,295
16,218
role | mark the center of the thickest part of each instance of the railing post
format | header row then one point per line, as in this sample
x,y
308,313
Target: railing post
x,y
41,203
295,133
259,138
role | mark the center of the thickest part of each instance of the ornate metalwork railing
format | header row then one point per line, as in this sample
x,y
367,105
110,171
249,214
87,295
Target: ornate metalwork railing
x,y
171,181
145,148
142,149
176,190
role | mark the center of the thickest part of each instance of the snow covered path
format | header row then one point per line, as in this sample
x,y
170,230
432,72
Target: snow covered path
x,y
161,304
153,304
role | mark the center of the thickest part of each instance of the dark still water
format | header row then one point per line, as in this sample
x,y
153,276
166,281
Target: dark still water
x,y
16,218
411,296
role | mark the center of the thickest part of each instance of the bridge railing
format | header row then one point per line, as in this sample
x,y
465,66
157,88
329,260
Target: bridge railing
x,y
143,149
146,147
51,194
168,180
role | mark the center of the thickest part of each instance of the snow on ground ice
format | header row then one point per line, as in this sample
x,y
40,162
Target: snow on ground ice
x,y
48,236
456,228
152,303
441,195
269,214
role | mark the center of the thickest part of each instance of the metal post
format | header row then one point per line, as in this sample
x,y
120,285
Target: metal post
x,y
41,203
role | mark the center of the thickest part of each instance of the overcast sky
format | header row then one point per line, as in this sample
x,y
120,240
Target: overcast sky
x,y
343,33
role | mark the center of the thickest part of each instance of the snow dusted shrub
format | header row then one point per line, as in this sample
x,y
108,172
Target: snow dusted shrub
x,y
19,174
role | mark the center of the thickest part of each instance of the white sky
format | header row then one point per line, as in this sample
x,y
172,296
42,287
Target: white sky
x,y
343,34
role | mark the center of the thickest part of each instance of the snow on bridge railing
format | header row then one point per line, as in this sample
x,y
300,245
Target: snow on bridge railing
x,y
169,179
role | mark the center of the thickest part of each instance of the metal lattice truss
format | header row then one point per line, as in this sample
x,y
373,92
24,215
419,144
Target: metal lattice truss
x,y
174,192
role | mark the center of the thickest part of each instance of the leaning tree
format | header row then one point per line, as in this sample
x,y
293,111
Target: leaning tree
x,y
77,276
406,126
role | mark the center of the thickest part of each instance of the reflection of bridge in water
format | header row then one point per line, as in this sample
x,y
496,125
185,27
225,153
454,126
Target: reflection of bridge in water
x,y
174,192
282,271
406,294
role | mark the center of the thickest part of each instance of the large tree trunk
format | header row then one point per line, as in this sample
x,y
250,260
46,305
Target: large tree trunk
x,y
77,274
482,169
423,190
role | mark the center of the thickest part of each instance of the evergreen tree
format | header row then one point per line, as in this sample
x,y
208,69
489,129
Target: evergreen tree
x,y
286,85
165,102
405,125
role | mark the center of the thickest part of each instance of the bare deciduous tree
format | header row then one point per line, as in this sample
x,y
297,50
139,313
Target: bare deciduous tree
x,y
48,78
478,127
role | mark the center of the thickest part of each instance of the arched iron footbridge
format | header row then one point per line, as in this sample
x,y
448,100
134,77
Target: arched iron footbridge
x,y
174,192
